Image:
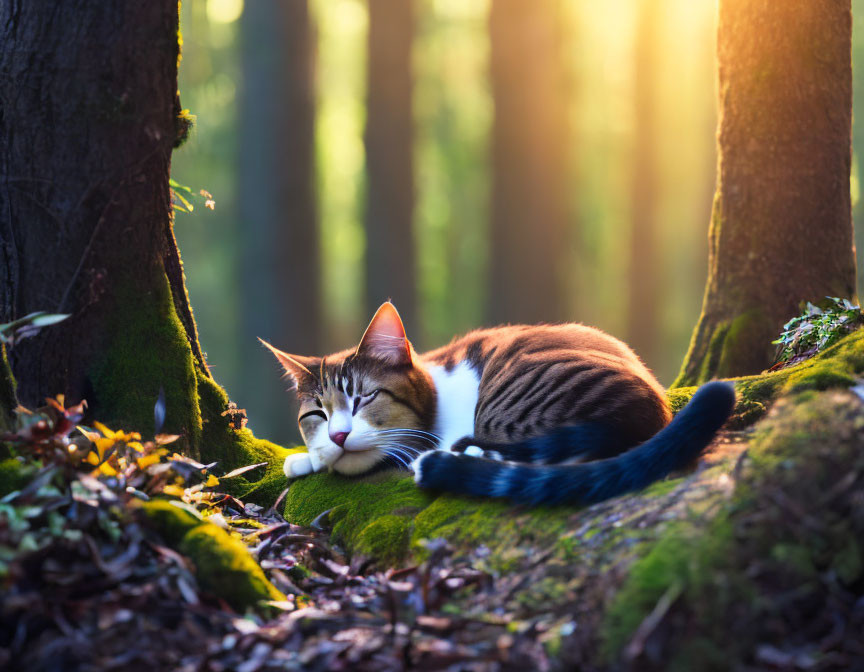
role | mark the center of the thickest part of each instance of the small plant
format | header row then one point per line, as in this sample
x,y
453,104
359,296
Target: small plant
x,y
182,197
29,325
817,328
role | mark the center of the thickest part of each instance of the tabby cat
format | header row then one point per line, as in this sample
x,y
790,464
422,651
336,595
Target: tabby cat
x,y
547,414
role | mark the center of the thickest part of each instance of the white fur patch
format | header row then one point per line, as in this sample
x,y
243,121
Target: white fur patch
x,y
457,393
297,464
474,451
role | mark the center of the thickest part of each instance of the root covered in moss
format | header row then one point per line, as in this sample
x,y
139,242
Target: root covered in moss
x,y
222,563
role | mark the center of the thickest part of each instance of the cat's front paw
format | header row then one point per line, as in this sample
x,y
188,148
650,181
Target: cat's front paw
x,y
298,464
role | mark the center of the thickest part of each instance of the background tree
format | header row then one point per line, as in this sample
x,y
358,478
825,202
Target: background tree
x,y
781,229
87,223
390,255
279,242
528,236
644,271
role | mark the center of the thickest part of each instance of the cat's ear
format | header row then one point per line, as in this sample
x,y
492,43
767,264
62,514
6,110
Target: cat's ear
x,y
300,369
385,337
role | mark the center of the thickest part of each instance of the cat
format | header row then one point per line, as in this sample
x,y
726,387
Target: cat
x,y
546,414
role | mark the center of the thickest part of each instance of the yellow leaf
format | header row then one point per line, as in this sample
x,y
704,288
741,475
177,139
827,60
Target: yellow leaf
x,y
106,469
147,460
173,490
107,433
211,481
86,432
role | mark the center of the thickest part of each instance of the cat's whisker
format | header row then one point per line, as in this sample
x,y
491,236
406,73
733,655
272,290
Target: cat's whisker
x,y
423,442
410,434
410,430
397,458
406,451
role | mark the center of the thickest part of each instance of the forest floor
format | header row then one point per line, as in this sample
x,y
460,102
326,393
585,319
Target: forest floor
x,y
754,560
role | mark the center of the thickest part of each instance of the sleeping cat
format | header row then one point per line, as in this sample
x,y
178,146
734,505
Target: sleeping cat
x,y
547,414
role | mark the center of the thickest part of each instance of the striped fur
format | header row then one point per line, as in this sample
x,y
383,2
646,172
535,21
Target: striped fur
x,y
537,399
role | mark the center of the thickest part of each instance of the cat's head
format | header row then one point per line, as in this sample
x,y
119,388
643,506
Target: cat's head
x,y
362,406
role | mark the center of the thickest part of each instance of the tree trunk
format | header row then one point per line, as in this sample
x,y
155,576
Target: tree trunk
x,y
89,120
529,161
781,229
644,305
390,256
281,271
858,134
8,398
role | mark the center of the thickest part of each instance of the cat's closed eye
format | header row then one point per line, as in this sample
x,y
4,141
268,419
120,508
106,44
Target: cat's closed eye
x,y
312,414
360,402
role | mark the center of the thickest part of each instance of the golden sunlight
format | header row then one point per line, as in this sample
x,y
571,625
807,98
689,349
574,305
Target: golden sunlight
x,y
224,11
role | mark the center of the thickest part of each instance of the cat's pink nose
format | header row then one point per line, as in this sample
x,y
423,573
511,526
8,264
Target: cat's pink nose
x,y
339,438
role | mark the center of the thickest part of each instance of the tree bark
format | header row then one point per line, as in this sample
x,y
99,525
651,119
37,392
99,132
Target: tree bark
x,y
644,305
781,228
88,122
529,160
8,398
389,137
280,262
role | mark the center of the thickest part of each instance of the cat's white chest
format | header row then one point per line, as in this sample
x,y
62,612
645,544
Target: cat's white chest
x,y
457,391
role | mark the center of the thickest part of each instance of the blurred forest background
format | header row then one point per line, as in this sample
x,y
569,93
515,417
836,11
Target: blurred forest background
x,y
477,161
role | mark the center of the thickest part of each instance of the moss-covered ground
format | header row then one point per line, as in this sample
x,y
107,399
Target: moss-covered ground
x,y
711,554
753,557
363,512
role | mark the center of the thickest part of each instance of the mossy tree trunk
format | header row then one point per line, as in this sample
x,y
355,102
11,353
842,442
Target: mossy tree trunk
x,y
528,228
781,229
89,120
280,246
389,137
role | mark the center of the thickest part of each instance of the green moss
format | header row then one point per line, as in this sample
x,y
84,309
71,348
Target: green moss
x,y
173,522
223,564
152,352
778,535
233,448
225,568
149,351
14,475
738,352
370,513
466,521
385,539
184,122
355,505
679,397
675,564
838,366
714,353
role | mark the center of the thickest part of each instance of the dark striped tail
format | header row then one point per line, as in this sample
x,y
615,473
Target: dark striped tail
x,y
673,447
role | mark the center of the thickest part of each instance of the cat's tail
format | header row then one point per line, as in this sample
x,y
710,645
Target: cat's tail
x,y
672,448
